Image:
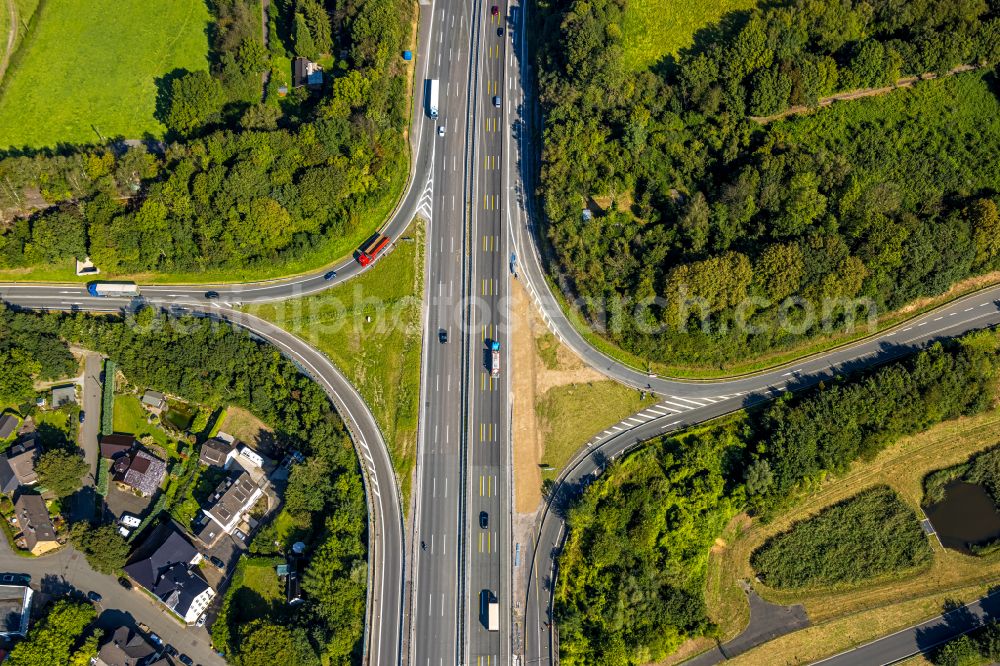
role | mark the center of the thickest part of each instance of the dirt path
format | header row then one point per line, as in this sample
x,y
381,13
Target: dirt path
x,y
906,82
11,37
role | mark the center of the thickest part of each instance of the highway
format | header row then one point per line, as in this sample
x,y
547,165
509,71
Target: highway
x,y
469,183
435,608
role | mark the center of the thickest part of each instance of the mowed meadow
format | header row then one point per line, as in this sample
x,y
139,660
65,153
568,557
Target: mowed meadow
x,y
654,29
88,70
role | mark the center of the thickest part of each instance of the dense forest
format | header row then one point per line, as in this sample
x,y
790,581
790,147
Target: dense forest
x,y
632,571
871,534
241,182
215,364
30,349
710,236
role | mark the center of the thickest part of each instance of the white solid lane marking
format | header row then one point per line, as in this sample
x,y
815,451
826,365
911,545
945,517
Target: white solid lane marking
x,y
693,402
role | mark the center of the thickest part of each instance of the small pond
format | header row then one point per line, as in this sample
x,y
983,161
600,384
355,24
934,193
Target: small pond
x,y
966,517
178,415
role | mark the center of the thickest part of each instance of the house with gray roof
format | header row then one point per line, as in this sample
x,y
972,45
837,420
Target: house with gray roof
x,y
140,470
126,647
63,395
166,565
17,464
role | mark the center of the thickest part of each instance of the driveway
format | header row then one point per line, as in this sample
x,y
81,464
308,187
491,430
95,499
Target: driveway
x,y
67,570
83,502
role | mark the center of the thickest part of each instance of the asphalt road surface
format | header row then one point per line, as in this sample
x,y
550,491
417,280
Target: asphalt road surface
x,y
922,637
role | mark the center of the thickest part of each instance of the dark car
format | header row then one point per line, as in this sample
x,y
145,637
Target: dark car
x,y
330,275
15,579
494,10
94,596
83,416
499,32
211,294
443,336
216,561
484,520
124,582
184,659
170,649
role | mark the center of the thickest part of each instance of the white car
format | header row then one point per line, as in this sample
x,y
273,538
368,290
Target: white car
x,y
201,620
441,130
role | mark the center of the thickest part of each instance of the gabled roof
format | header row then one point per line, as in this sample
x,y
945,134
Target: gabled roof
x,y
63,394
114,445
22,458
140,470
215,452
166,570
153,399
126,648
235,499
33,519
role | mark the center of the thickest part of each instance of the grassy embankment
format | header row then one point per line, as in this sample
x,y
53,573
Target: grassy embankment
x,y
848,615
370,327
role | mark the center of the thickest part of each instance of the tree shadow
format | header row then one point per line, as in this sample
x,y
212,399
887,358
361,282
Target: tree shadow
x,y
957,619
164,89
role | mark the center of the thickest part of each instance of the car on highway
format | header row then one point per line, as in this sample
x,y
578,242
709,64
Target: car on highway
x,y
330,275
484,520
124,582
217,562
499,32
441,130
211,294
496,101
83,416
186,660
94,596
494,10
443,336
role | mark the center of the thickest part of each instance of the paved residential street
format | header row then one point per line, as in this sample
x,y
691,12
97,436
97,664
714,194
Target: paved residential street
x,y
67,570
84,501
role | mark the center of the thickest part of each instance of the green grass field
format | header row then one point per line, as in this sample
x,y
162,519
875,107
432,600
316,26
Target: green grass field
x,y
570,415
90,69
381,357
657,28
130,417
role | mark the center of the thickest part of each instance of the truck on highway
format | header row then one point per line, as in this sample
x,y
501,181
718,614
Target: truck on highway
x,y
371,249
495,358
493,615
432,99
113,289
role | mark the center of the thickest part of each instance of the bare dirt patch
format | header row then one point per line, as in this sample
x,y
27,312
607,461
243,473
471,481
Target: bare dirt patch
x,y
247,428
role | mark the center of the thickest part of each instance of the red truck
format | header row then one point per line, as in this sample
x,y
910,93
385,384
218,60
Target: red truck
x,y
371,249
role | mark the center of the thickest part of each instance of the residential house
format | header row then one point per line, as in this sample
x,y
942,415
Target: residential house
x,y
113,446
251,456
140,470
217,452
63,395
15,609
8,424
17,464
306,73
166,565
36,527
154,401
227,506
126,647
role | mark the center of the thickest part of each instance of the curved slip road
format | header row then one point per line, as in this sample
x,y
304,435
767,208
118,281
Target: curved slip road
x,y
682,403
386,556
